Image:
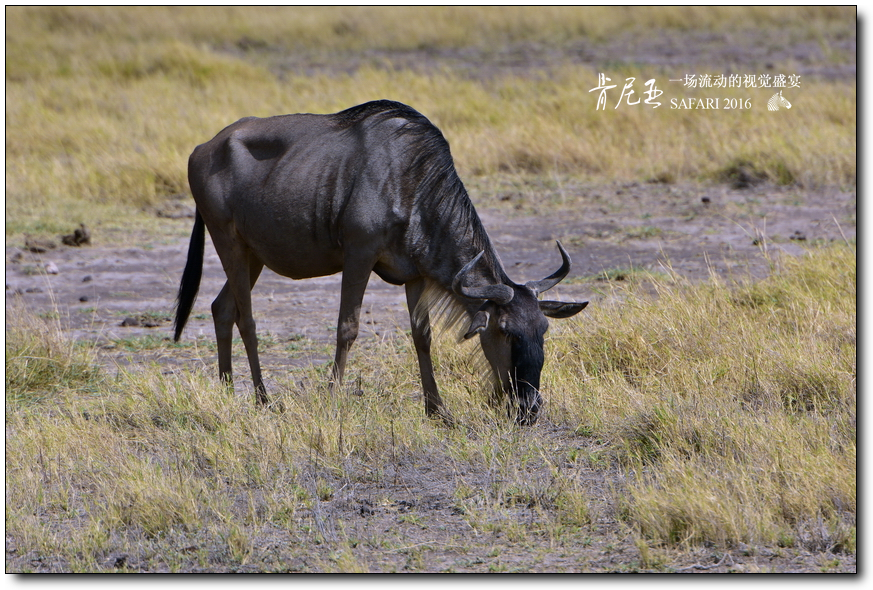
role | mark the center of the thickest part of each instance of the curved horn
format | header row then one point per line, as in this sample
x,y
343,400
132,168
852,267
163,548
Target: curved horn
x,y
555,278
499,294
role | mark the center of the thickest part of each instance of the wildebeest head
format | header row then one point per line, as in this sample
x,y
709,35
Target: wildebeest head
x,y
511,323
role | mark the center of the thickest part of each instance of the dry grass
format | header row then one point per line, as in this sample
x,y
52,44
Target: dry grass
x,y
103,106
39,359
396,28
734,408
691,419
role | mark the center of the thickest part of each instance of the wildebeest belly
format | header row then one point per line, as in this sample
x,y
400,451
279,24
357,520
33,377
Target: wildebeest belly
x,y
292,240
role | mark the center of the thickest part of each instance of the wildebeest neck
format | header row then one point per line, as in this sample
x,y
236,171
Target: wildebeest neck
x,y
445,231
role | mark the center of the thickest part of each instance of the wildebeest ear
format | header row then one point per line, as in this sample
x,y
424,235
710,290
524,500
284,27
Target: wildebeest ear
x,y
478,323
560,309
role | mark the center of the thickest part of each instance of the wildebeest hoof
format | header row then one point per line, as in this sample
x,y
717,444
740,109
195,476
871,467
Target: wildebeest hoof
x,y
526,417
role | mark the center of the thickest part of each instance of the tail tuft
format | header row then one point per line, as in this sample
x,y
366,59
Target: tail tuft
x,y
190,283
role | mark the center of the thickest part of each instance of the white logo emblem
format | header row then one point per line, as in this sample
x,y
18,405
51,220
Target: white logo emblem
x,y
776,102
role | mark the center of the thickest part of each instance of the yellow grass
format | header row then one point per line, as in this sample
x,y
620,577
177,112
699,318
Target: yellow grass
x,y
718,414
356,28
734,408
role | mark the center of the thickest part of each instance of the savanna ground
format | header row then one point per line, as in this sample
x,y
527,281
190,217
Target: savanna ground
x,y
701,412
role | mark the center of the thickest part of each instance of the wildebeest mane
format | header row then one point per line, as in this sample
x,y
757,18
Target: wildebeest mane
x,y
440,197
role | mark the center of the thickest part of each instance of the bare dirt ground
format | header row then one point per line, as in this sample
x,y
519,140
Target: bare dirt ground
x,y
724,51
110,294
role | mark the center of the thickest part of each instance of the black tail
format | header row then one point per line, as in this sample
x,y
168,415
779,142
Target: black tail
x,y
190,283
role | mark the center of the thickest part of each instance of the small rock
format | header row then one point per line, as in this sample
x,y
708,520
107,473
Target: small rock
x,y
33,290
51,268
798,235
86,279
83,298
706,200
129,321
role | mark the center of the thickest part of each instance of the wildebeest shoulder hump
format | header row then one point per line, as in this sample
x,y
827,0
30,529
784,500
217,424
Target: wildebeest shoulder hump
x,y
382,109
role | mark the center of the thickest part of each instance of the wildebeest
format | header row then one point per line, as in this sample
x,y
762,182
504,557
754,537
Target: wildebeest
x,y
371,188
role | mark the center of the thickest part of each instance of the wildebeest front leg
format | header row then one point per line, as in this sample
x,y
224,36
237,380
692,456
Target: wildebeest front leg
x,y
421,337
356,275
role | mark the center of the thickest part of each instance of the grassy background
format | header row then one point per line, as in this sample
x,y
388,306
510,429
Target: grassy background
x,y
104,105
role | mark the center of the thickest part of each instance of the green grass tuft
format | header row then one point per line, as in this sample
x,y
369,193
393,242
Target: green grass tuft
x,y
40,362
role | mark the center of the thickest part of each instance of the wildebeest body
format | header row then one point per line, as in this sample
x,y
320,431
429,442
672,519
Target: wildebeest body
x,y
302,188
370,188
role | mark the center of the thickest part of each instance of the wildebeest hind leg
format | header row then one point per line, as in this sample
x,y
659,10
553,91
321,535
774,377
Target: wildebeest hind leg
x,y
234,305
224,317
